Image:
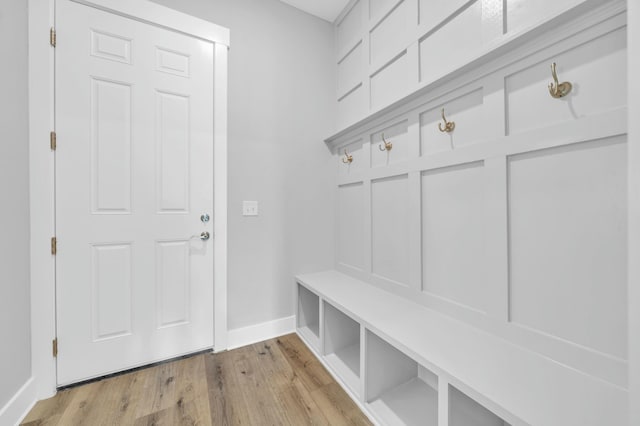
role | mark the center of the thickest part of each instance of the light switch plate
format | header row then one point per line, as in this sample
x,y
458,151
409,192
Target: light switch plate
x,y
250,208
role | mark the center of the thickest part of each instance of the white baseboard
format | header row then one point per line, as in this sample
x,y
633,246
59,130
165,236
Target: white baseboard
x,y
19,406
257,333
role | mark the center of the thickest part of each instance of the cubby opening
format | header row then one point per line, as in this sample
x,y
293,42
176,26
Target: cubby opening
x,y
309,316
342,346
464,411
399,391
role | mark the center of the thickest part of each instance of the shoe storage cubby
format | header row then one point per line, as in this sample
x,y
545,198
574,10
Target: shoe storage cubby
x,y
342,346
464,411
308,317
399,391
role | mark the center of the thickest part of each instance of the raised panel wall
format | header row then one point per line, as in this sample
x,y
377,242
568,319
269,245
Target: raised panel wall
x,y
434,12
351,106
391,35
567,227
398,136
349,28
438,37
350,70
351,225
453,44
584,65
391,82
516,220
390,229
453,241
466,111
523,14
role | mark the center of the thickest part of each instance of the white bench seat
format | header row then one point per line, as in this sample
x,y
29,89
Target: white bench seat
x,y
521,386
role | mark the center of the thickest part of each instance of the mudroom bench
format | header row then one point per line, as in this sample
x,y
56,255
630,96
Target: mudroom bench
x,y
406,364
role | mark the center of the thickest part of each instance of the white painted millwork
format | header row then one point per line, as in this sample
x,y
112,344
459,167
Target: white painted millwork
x,y
410,350
507,212
394,47
514,223
134,172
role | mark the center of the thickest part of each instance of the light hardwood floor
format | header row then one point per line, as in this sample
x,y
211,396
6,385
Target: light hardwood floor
x,y
276,382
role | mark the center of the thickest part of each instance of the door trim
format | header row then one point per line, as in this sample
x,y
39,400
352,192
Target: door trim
x,y
42,168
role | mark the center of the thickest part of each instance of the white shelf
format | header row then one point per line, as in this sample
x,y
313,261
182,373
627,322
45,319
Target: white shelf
x,y
508,379
398,390
308,318
346,364
412,403
342,346
310,334
464,411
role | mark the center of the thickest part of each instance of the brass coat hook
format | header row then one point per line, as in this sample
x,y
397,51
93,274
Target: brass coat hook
x,y
387,145
448,125
348,159
558,90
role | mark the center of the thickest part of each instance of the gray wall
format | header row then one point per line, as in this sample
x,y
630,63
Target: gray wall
x,y
15,334
281,90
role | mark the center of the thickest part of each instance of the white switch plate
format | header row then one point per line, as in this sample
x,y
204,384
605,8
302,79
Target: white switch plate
x,y
250,208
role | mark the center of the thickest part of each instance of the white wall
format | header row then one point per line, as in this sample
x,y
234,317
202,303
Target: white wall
x,y
15,334
281,89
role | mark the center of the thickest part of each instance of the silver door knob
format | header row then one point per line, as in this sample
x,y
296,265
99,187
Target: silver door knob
x,y
204,236
205,218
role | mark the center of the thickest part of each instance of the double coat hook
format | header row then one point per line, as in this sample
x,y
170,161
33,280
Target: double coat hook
x,y
387,145
448,125
558,90
347,159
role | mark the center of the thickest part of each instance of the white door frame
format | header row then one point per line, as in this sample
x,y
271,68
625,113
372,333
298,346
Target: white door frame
x,y
42,168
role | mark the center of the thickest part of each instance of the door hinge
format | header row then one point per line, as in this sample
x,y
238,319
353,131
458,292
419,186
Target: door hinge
x,y
54,245
52,37
53,141
54,347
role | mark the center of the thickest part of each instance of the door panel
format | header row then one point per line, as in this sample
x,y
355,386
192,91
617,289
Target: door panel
x,y
134,172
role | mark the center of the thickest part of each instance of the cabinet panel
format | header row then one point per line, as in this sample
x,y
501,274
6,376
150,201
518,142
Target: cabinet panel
x,y
350,70
468,114
453,261
568,227
350,220
390,36
390,83
591,68
451,45
390,228
350,28
396,135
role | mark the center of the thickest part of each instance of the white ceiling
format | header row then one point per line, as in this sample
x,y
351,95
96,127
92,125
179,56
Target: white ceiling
x,y
325,9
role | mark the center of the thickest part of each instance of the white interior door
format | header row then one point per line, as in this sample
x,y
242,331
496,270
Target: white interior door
x,y
134,174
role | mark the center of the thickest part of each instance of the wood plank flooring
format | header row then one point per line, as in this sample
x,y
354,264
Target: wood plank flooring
x,y
276,382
